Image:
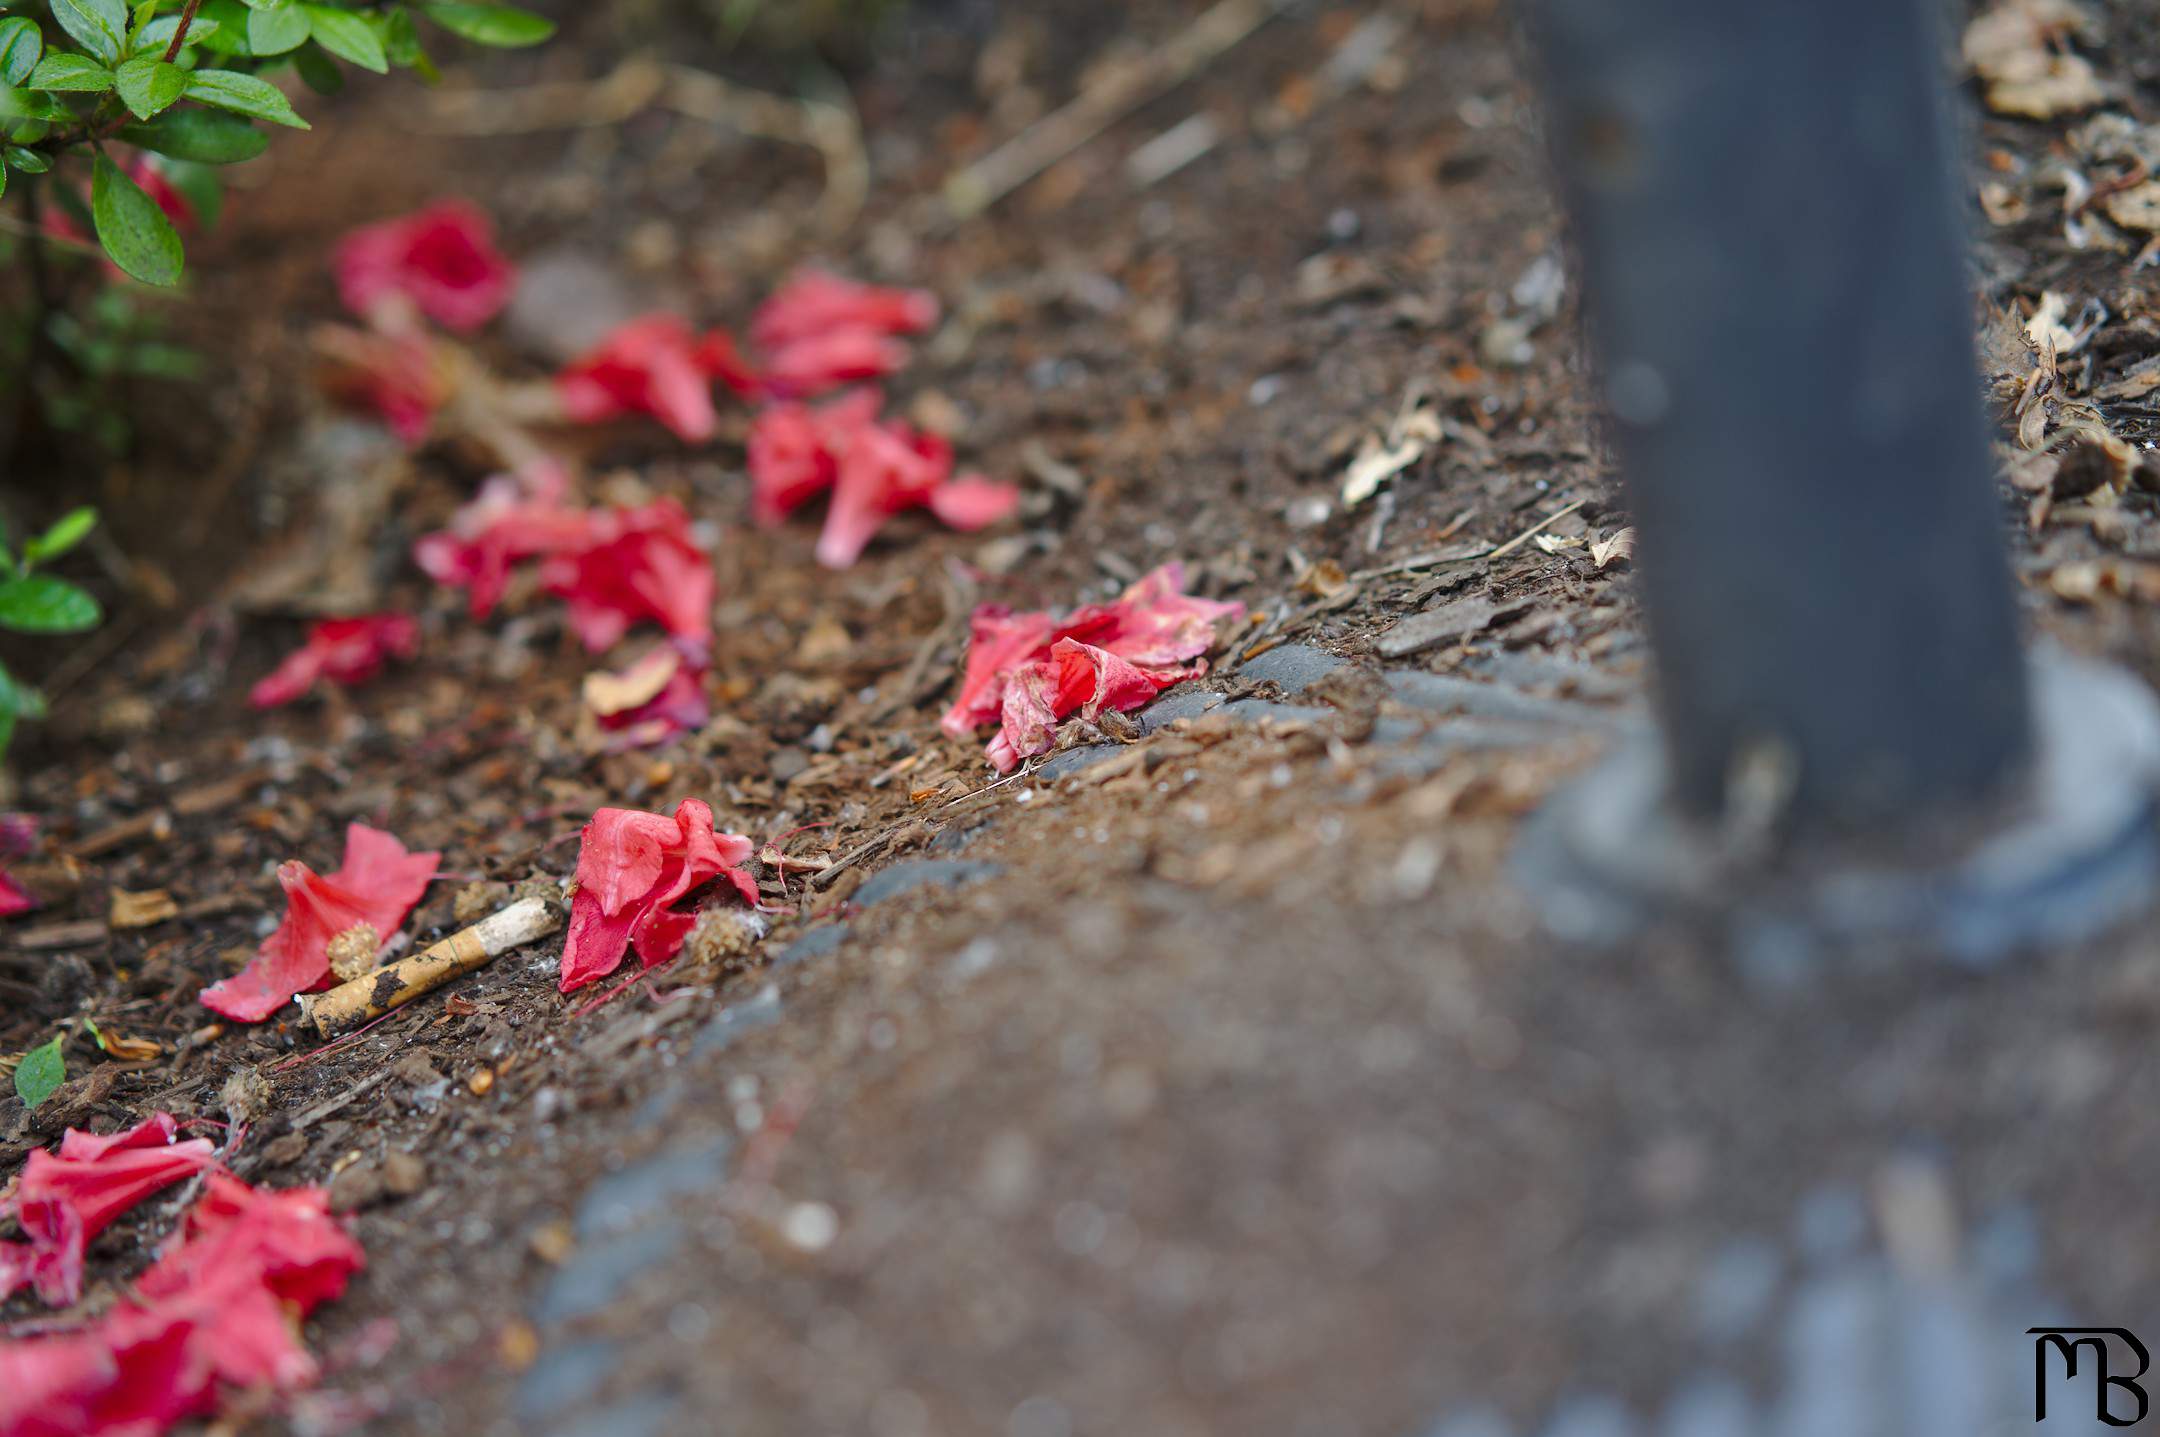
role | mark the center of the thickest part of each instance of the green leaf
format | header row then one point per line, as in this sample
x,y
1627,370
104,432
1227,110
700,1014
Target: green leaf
x,y
144,14
30,162
147,84
157,35
31,105
200,186
19,698
318,71
504,26
347,36
70,72
230,36
3,184
273,32
68,531
41,604
20,47
208,137
135,233
96,25
41,1071
243,94
401,39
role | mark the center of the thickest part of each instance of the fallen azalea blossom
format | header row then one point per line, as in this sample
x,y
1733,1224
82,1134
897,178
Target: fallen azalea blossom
x,y
376,886
441,260
1027,671
216,1312
404,378
636,564
655,366
819,331
874,470
655,698
344,651
632,869
511,519
64,1199
18,835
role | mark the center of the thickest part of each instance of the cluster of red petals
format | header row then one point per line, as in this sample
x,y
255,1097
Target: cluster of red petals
x,y
654,366
215,1313
399,375
654,698
632,870
614,567
66,1198
873,470
635,564
442,261
377,884
344,651
819,331
18,835
1027,671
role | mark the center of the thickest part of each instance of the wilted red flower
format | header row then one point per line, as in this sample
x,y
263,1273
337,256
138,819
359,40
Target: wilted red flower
x,y
637,564
442,260
18,835
632,869
376,885
66,1198
509,520
874,470
344,651
819,331
1026,671
401,377
655,698
217,1311
654,365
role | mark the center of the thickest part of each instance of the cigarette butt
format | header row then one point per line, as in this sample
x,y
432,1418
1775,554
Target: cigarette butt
x,y
393,985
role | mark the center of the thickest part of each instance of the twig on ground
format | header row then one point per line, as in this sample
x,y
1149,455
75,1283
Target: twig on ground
x,y
1467,556
976,187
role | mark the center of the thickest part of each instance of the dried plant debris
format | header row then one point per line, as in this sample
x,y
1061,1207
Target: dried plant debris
x,y
2022,52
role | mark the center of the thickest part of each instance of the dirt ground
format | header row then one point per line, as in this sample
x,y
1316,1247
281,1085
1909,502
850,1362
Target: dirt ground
x,y
1218,1083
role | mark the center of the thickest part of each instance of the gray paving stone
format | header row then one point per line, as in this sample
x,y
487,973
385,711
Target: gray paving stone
x,y
815,944
596,1275
1254,710
644,1414
644,1190
1178,703
1293,667
761,1010
1072,760
1451,693
565,1375
920,873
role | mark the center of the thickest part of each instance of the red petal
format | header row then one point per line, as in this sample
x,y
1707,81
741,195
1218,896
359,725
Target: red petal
x,y
815,301
651,365
972,502
443,259
630,900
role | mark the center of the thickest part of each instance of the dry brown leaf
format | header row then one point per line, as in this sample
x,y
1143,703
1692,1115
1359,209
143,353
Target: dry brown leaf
x,y
140,910
2137,208
125,1048
1619,549
613,692
1414,430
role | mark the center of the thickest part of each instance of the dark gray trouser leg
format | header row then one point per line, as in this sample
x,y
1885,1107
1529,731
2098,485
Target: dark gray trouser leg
x,y
1773,269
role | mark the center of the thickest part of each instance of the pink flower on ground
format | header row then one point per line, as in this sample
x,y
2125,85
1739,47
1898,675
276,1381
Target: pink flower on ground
x,y
653,366
632,869
656,698
442,260
638,564
18,835
1027,671
218,1311
819,331
874,470
344,651
376,885
511,519
400,376
66,1198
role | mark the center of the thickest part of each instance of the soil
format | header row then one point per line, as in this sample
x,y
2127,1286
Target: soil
x,y
1221,1082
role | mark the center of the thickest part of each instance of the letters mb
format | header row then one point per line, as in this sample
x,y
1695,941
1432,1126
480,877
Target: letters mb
x,y
2067,1341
